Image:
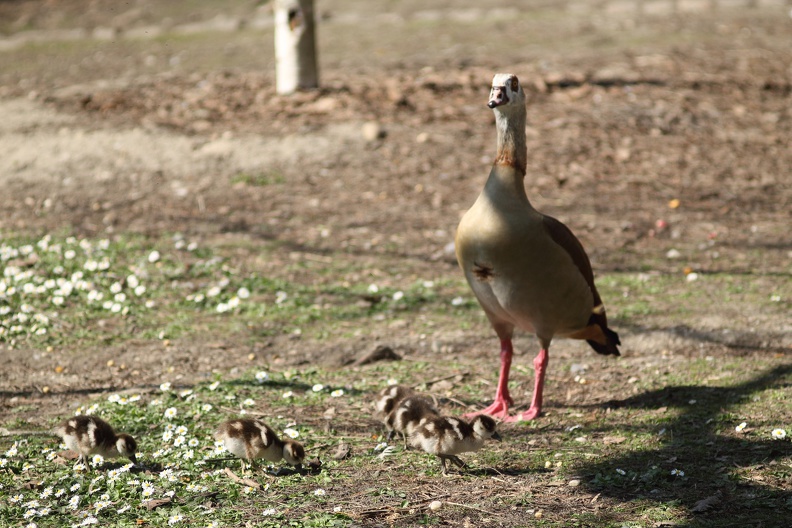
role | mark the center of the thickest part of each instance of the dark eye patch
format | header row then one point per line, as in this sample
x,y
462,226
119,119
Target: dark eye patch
x,y
515,84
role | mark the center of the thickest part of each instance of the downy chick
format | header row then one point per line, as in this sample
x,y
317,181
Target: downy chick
x,y
446,437
251,439
89,435
408,415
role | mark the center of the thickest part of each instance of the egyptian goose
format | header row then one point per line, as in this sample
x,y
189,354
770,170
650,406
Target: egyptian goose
x,y
388,399
527,269
447,437
89,435
250,439
408,415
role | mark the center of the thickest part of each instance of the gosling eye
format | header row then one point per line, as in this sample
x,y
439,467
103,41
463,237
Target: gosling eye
x,y
515,84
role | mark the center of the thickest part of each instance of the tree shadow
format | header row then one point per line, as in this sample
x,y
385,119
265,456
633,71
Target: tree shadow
x,y
690,442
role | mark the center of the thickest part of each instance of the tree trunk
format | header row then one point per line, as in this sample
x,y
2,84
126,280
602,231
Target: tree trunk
x,y
295,46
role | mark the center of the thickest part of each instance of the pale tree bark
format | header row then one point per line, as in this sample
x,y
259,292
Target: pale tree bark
x,y
295,46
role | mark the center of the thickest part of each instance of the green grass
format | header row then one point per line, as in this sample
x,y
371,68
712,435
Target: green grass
x,y
678,416
635,478
61,290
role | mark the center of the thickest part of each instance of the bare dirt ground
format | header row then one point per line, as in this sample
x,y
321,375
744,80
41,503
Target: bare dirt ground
x,y
128,119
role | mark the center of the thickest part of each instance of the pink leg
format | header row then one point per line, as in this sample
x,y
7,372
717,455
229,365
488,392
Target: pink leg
x,y
540,365
500,407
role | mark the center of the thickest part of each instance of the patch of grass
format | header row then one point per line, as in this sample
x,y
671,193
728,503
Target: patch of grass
x,y
59,290
259,179
648,459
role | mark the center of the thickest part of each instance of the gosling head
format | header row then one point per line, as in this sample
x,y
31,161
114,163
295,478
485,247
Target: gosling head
x,y
484,427
126,446
293,453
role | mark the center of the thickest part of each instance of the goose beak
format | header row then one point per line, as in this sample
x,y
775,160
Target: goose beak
x,y
498,97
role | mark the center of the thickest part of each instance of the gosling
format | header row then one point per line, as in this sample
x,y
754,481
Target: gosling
x,y
446,437
408,415
89,435
253,439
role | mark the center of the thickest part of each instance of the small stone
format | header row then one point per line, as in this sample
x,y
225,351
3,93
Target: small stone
x,y
423,137
574,483
435,505
673,254
373,131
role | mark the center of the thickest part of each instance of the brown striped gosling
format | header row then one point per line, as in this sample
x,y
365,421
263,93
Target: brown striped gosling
x,y
408,415
388,399
251,439
446,437
89,435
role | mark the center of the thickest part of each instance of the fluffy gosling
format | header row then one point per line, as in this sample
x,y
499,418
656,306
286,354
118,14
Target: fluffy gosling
x,y
446,437
89,435
408,415
251,439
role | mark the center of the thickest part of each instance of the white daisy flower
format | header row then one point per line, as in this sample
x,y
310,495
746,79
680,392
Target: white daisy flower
x,y
778,434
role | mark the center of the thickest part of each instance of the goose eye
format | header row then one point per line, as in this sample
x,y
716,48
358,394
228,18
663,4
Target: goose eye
x,y
515,85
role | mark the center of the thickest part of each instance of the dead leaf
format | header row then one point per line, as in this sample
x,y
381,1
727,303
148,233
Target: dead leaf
x,y
343,451
444,385
613,439
153,504
381,353
706,504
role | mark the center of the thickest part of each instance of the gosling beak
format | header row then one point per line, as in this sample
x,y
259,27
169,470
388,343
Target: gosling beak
x,y
498,97
496,436
133,458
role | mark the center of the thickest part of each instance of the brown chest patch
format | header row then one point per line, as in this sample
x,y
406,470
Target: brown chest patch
x,y
483,272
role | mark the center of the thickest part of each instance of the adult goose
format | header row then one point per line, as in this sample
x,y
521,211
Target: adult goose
x,y
527,269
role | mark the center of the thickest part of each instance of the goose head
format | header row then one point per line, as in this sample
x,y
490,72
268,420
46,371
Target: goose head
x,y
506,93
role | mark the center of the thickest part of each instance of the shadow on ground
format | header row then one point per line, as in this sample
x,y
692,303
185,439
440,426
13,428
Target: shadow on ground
x,y
710,460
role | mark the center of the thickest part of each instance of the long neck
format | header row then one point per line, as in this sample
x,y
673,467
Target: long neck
x,y
511,139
